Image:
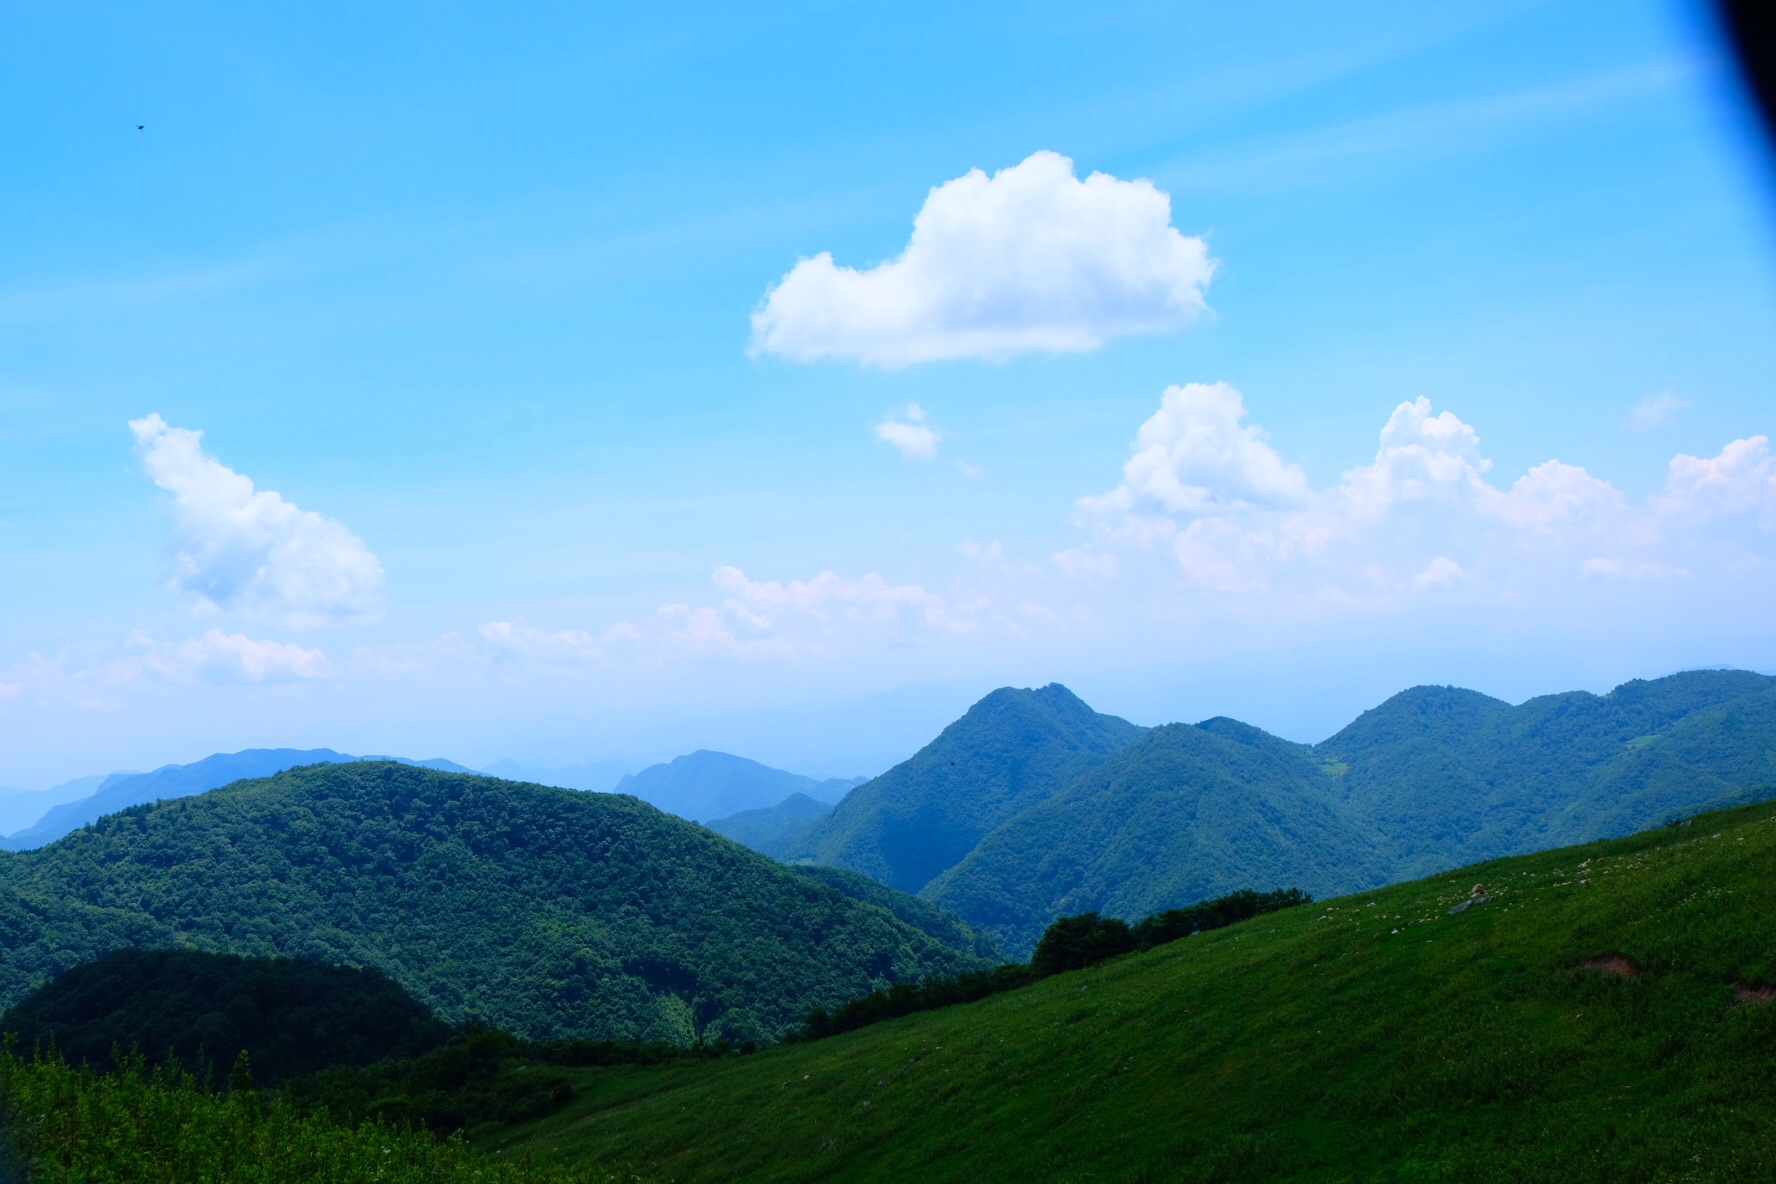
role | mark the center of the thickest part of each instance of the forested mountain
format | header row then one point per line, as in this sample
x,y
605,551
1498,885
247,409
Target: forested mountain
x,y
1434,778
1442,776
777,830
1011,750
928,918
704,785
1182,814
547,912
289,1015
122,790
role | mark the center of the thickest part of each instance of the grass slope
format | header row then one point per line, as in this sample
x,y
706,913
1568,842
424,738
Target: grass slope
x,y
547,912
1372,1038
1011,750
1182,814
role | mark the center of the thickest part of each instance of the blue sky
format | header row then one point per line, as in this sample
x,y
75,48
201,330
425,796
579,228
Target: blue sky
x,y
473,292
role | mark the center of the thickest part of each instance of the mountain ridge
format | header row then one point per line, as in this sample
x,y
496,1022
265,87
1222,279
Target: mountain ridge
x,y
1013,748
545,911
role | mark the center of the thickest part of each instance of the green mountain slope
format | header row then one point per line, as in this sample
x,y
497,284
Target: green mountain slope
x,y
930,919
1182,814
775,830
1011,750
1442,776
1379,1037
547,912
290,1016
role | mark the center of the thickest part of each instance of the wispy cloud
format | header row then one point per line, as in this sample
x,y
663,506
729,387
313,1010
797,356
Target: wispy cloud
x,y
1419,133
910,434
1655,411
241,548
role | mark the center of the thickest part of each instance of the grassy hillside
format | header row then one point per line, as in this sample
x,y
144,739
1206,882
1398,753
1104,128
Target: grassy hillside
x,y
1011,750
1182,814
1376,1038
290,1016
547,912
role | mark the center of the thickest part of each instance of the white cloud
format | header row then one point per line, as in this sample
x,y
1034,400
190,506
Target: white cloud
x,y
233,657
1207,489
828,614
1031,259
98,675
1740,480
1655,411
250,550
1194,457
916,439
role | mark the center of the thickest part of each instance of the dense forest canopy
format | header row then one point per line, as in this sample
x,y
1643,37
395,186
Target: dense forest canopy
x,y
548,912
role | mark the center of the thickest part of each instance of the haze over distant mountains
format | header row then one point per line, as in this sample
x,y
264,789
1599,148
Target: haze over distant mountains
x,y
599,776
705,785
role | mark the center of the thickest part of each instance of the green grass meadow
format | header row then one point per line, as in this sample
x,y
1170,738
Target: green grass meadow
x,y
1373,1038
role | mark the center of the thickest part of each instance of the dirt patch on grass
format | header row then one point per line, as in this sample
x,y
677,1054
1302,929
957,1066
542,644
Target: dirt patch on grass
x,y
1753,993
1617,964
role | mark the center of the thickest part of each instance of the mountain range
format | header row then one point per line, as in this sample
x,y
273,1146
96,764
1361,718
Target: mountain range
x,y
602,914
1032,806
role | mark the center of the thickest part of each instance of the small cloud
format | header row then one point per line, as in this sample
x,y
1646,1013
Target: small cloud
x,y
974,472
915,439
1031,259
1655,411
1441,572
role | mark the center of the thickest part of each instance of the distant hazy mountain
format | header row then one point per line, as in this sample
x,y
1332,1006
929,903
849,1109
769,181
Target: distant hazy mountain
x,y
706,785
1012,750
1183,814
601,776
20,808
775,830
123,790
548,912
